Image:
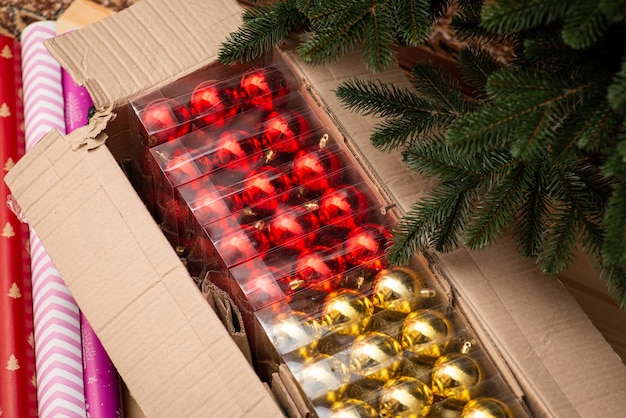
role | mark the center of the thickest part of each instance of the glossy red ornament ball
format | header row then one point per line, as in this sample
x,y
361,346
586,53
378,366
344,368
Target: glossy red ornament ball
x,y
343,206
259,87
246,242
164,120
265,189
316,170
238,150
215,205
366,243
212,102
293,229
284,132
319,267
178,166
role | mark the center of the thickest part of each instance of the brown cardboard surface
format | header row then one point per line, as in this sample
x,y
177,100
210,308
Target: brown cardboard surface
x,y
166,342
164,339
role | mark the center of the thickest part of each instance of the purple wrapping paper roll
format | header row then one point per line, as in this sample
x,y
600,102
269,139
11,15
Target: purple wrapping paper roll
x,y
58,351
102,383
77,103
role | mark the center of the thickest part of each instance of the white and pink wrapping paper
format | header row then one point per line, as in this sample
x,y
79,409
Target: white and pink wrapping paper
x,y
58,350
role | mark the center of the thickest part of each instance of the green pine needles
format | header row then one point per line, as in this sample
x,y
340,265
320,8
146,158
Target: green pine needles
x,y
538,148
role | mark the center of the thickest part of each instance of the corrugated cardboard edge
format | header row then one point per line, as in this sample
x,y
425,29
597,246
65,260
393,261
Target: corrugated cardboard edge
x,y
144,46
560,360
136,292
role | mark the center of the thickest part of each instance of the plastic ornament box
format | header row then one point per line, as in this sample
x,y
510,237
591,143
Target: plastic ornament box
x,y
260,196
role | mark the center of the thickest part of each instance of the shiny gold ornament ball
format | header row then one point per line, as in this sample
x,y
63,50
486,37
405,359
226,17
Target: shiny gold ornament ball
x,y
405,397
455,377
486,408
426,334
397,289
352,408
346,312
323,378
375,355
295,331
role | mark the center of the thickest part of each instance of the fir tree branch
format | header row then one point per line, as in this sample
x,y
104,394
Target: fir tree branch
x,y
440,88
263,28
329,42
585,23
494,211
533,211
614,247
477,66
378,39
413,20
511,16
558,241
373,97
433,222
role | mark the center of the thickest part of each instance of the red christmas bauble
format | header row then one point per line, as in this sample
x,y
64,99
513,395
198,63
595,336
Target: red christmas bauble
x,y
366,243
238,150
215,205
246,242
316,170
319,267
265,189
284,132
177,165
212,102
343,206
164,120
293,229
261,86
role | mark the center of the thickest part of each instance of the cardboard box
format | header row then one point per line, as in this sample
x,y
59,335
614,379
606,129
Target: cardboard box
x,y
167,343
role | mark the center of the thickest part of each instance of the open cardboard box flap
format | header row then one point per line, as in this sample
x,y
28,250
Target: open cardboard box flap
x,y
167,343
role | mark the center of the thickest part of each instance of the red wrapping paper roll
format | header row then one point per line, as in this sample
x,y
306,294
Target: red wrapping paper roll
x,y
18,395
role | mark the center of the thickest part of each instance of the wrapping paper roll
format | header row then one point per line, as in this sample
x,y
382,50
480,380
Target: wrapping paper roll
x,y
58,350
18,396
101,380
102,383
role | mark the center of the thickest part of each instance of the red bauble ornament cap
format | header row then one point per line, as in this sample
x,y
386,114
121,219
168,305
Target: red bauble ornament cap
x,y
343,206
165,119
212,102
261,86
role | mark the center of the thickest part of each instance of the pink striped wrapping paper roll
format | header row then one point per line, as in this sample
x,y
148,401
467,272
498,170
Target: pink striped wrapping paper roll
x,y
101,380
58,351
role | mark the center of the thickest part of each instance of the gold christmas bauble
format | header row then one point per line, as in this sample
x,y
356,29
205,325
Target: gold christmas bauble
x,y
375,355
346,312
455,377
323,378
405,397
426,334
486,408
352,408
295,331
397,289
